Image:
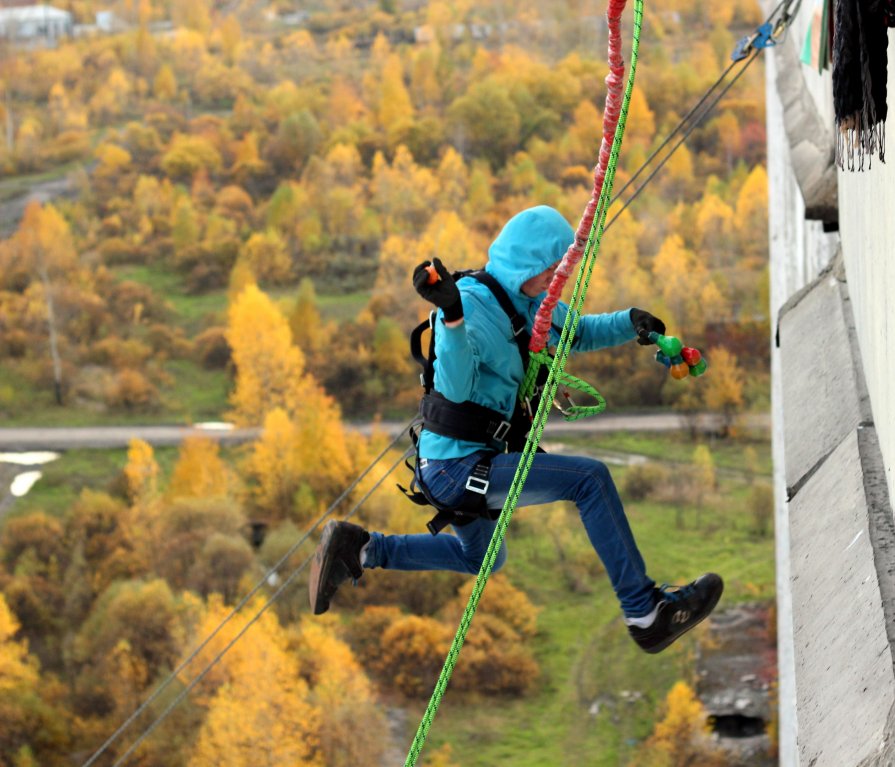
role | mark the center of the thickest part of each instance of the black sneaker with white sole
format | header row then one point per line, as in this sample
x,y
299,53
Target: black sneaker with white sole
x,y
679,608
336,560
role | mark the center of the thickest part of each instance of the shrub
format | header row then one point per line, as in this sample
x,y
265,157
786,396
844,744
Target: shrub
x,y
131,390
643,480
212,348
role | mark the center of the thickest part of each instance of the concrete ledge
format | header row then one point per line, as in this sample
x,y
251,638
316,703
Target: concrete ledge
x,y
823,390
842,537
845,679
811,139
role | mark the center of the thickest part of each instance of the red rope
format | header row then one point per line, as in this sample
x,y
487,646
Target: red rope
x,y
612,109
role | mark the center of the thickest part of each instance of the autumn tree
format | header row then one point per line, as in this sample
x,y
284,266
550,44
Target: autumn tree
x,y
102,550
724,386
200,472
395,106
187,155
267,257
412,651
143,620
27,723
681,738
339,686
269,368
485,122
299,459
44,246
403,192
305,321
258,691
141,471
752,216
679,276
200,544
164,86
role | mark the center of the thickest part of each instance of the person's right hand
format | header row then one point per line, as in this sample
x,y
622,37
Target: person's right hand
x,y
444,293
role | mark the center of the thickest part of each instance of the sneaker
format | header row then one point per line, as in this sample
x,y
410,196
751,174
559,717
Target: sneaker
x,y
677,611
336,560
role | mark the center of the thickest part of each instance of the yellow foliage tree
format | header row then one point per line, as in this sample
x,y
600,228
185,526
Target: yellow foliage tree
x,y
111,101
344,104
752,214
141,471
187,155
259,713
247,163
305,321
453,178
269,367
680,277
395,108
164,86
424,81
403,192
445,236
412,649
200,472
266,254
309,451
641,126
17,668
680,739
339,687
724,386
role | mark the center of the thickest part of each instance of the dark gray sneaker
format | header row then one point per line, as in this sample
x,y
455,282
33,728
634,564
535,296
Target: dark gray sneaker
x,y
680,608
336,560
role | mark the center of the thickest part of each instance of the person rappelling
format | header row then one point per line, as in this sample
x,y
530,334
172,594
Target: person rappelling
x,y
470,441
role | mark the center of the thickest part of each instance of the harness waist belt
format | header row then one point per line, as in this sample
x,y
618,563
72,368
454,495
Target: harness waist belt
x,y
463,420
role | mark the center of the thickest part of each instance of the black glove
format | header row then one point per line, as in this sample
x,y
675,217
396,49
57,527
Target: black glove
x,y
444,293
644,323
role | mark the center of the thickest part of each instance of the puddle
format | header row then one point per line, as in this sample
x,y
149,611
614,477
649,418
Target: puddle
x,y
28,459
23,482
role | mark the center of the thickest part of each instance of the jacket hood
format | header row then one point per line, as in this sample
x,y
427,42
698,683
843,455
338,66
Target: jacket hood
x,y
529,242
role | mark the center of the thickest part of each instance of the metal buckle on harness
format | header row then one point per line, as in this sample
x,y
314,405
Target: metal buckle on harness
x,y
477,484
502,430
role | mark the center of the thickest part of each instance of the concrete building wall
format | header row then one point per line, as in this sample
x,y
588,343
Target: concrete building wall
x,y
867,227
834,432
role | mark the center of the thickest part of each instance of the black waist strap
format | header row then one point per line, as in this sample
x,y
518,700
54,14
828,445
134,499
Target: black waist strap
x,y
463,420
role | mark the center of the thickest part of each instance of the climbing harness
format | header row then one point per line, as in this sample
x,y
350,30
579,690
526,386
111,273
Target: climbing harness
x,y
468,421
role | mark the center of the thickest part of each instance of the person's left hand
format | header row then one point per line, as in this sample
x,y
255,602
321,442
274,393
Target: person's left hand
x,y
645,323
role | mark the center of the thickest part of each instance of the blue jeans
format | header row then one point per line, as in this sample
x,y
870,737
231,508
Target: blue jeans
x,y
584,481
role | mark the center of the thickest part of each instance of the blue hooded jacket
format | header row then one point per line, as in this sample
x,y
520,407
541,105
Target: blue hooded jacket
x,y
478,359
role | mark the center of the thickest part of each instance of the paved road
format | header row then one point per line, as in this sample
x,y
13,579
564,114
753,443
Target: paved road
x,y
68,438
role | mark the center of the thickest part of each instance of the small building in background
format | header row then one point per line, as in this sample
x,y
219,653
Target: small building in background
x,y
35,24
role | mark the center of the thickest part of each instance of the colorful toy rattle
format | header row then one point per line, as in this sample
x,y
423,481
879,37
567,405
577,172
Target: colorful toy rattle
x,y
679,359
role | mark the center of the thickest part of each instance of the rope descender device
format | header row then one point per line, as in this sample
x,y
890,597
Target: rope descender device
x,y
768,34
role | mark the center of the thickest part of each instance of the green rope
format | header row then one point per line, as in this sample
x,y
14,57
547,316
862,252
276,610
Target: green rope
x,y
534,436
571,412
